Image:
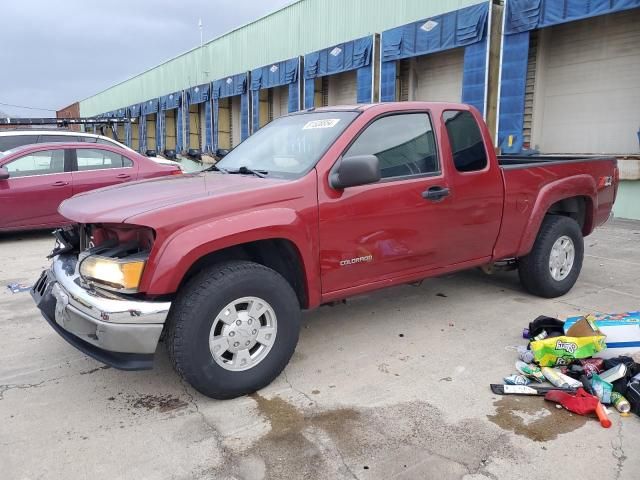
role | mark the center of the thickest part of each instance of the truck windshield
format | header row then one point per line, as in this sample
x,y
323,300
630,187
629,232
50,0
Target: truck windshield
x,y
288,147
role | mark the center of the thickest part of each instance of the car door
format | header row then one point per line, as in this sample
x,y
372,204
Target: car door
x,y
39,181
97,166
388,229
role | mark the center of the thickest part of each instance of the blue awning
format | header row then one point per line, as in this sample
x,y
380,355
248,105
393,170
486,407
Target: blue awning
x,y
198,94
525,15
441,32
149,106
230,86
168,102
121,112
338,58
134,111
274,75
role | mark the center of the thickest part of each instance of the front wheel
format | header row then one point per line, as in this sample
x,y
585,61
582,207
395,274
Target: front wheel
x,y
554,263
233,329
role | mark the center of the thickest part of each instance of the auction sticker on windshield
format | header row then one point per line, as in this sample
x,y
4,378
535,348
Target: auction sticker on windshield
x,y
326,123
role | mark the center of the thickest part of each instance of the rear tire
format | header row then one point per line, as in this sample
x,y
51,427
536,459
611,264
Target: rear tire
x,y
221,310
554,263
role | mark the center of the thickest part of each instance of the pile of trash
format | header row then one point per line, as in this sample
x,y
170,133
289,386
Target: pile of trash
x,y
582,364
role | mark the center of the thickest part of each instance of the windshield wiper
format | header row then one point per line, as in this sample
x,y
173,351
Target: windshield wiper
x,y
215,167
245,170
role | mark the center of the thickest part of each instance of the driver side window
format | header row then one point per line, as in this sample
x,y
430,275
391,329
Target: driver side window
x,y
404,144
37,163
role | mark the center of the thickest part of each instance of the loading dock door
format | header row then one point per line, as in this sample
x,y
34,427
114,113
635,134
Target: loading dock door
x,y
278,102
235,120
170,129
195,133
151,131
120,130
224,123
587,97
135,135
343,88
436,77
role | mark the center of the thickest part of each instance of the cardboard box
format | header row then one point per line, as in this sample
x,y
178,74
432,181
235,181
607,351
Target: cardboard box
x,y
622,332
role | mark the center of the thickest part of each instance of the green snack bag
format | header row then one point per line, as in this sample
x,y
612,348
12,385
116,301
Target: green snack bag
x,y
583,340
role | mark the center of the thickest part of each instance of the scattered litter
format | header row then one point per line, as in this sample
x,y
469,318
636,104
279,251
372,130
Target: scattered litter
x,y
18,287
582,340
516,380
576,369
531,371
621,329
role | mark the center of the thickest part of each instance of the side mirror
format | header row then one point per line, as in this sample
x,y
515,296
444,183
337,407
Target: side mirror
x,y
4,173
354,171
151,153
222,152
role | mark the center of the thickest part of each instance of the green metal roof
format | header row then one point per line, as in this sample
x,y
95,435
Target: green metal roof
x,y
296,29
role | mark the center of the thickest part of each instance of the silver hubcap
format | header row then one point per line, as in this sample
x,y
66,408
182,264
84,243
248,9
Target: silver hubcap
x,y
563,253
243,333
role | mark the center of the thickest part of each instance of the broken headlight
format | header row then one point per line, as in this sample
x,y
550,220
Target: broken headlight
x,y
119,274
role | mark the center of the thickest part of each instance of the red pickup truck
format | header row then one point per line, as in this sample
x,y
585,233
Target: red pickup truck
x,y
317,206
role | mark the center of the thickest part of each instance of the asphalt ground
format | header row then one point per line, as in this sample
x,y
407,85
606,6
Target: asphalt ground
x,y
389,385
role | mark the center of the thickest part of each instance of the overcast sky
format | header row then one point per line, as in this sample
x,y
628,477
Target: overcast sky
x,y
55,52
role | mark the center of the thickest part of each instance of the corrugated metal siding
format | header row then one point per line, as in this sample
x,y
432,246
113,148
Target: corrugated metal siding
x,y
299,28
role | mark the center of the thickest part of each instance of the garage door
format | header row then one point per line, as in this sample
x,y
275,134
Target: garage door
x,y
342,88
437,77
587,95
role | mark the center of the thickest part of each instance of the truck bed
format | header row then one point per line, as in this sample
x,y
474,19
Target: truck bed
x,y
525,161
526,178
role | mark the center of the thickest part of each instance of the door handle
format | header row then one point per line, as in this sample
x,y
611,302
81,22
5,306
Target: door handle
x,y
435,193
123,175
59,183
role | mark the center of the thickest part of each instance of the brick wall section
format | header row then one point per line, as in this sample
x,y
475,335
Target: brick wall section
x,y
72,111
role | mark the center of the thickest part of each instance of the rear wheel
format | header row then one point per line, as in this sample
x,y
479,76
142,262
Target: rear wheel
x,y
554,263
233,329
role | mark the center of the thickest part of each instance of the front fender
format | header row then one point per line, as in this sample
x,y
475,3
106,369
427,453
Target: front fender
x,y
168,264
582,185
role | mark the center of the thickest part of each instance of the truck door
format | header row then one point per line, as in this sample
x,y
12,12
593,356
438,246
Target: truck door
x,y
476,189
394,227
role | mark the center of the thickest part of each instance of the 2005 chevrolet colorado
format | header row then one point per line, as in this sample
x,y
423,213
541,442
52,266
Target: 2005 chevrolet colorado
x,y
315,207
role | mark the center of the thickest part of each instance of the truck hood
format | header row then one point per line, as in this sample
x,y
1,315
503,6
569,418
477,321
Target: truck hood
x,y
116,204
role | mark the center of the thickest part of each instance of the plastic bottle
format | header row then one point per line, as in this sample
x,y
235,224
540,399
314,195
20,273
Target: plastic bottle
x,y
621,403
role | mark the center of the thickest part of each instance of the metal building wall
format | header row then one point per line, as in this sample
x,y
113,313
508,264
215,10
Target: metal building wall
x,y
297,29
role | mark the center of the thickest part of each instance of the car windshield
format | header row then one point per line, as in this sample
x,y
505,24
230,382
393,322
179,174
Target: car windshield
x,y
289,146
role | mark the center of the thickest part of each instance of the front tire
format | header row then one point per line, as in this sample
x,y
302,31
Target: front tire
x,y
554,263
233,329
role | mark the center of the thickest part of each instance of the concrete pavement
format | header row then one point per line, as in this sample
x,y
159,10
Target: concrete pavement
x,y
390,385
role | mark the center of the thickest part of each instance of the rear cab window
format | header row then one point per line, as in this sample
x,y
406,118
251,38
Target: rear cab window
x,y
465,139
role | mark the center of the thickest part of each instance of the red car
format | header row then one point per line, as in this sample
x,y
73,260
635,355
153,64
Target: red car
x,y
35,179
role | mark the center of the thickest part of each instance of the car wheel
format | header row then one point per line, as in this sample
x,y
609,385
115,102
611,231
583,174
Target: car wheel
x,y
233,329
554,263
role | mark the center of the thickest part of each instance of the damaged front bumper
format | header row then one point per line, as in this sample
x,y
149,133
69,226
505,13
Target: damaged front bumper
x,y
117,331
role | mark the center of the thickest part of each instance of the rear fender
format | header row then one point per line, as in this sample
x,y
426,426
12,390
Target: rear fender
x,y
168,265
575,186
